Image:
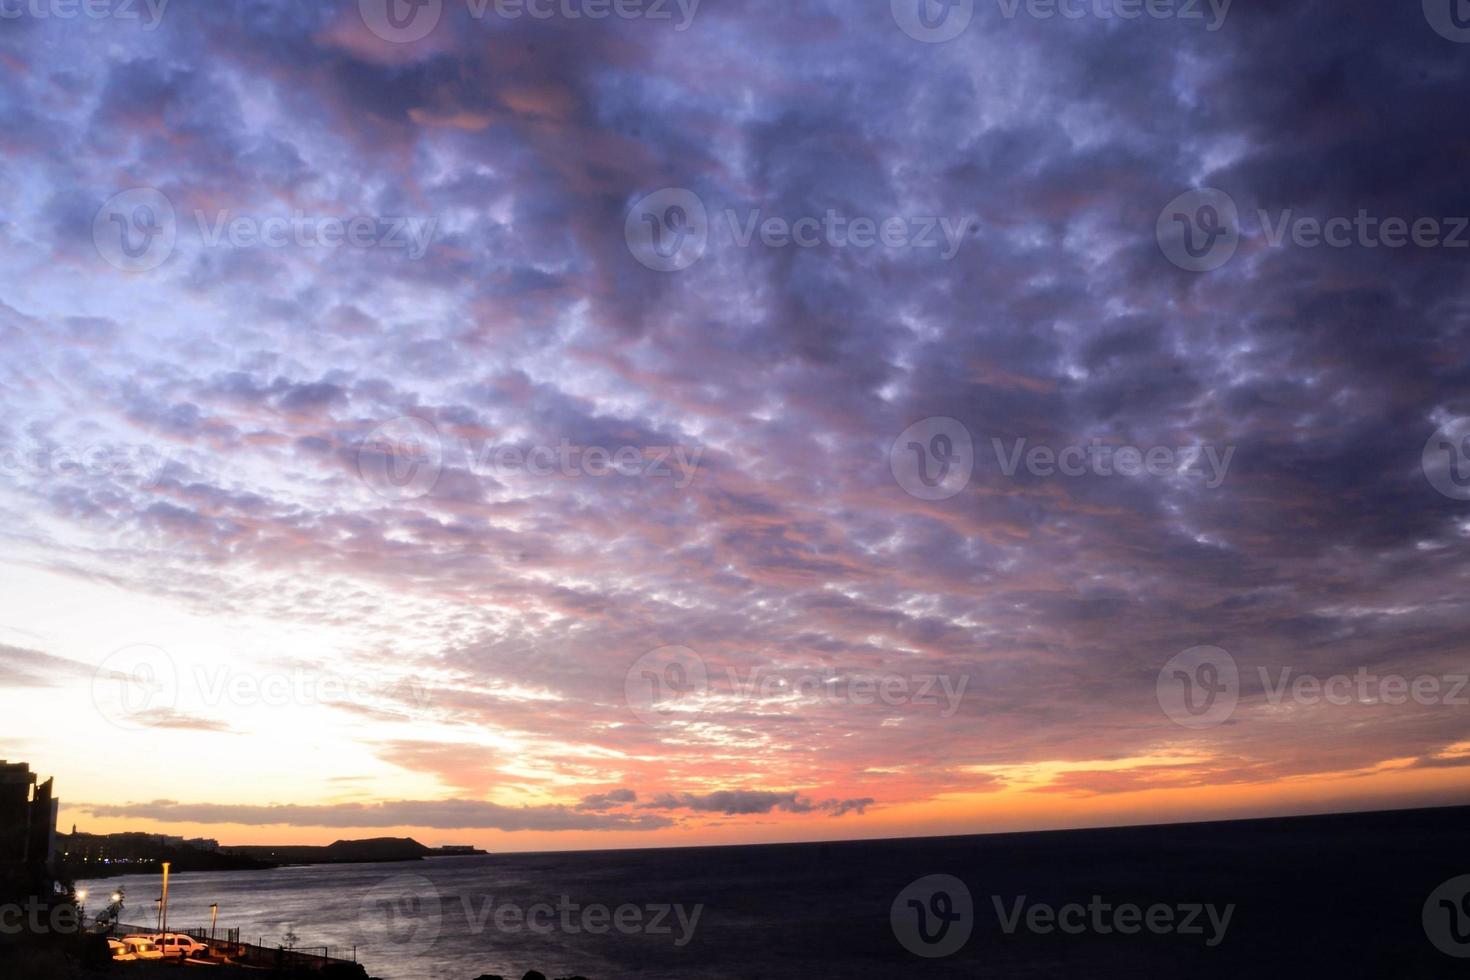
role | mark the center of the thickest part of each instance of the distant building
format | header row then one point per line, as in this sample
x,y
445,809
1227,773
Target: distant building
x,y
80,849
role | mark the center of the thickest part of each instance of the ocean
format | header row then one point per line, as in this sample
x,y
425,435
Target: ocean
x,y
1344,896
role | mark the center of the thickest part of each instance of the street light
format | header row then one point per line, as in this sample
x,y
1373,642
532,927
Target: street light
x,y
164,926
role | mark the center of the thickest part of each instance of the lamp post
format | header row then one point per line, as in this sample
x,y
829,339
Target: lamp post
x,y
213,915
163,912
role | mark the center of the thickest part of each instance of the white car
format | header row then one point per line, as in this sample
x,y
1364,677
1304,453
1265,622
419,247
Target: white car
x,y
178,945
141,948
118,951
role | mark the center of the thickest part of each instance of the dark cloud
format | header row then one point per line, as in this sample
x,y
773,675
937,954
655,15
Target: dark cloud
x,y
253,377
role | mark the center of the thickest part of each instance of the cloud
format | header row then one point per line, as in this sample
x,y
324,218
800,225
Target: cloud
x,y
434,814
747,802
242,384
606,801
30,668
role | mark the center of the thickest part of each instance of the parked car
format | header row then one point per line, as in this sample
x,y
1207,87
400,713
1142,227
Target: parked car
x,y
118,951
141,948
177,945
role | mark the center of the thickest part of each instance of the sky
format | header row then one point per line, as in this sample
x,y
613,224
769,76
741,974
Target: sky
x,y
572,425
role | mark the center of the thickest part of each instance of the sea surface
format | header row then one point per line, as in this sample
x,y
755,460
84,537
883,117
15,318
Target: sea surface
x,y
1340,896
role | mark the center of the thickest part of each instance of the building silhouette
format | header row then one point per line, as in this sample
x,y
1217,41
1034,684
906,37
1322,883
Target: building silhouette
x,y
27,831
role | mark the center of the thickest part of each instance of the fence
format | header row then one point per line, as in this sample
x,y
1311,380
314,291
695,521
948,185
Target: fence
x,y
230,949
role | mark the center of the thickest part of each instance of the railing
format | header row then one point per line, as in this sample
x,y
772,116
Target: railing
x,y
231,949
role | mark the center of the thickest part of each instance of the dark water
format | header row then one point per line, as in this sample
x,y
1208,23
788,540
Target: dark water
x,y
1335,896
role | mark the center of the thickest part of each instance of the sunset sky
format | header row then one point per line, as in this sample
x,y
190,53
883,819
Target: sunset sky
x,y
278,564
